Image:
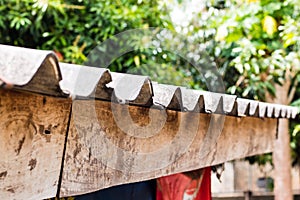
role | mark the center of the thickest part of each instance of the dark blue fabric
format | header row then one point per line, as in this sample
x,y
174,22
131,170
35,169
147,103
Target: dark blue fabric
x,y
134,191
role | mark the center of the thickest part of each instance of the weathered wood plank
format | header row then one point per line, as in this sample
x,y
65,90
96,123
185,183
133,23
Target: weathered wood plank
x,y
111,144
32,134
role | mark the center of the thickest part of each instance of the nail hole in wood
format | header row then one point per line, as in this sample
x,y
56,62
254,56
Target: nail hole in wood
x,y
44,100
47,132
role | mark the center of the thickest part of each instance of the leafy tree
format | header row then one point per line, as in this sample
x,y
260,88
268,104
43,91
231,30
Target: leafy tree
x,y
74,27
255,44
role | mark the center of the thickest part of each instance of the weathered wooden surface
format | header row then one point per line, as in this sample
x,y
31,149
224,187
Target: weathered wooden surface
x,y
113,144
46,79
116,144
32,135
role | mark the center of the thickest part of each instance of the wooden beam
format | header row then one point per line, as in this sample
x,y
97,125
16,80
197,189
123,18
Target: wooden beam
x,y
111,144
32,137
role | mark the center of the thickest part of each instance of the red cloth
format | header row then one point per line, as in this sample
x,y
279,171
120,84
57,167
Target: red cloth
x,y
182,187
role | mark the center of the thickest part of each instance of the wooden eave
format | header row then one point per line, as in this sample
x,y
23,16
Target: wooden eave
x,y
70,129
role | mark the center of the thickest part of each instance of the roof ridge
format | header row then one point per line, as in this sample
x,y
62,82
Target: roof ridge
x,y
45,75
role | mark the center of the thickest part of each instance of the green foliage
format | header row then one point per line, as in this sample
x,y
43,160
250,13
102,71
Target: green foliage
x,y
254,43
260,160
259,39
74,27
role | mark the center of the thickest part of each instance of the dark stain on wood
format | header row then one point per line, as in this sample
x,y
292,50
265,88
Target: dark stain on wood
x,y
21,142
41,129
76,150
3,174
90,153
44,100
11,190
32,164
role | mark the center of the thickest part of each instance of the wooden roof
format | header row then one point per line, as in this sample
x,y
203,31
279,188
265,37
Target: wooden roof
x,y
39,72
115,129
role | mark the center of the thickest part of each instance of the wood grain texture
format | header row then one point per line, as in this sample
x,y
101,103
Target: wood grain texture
x,y
111,144
46,79
32,135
